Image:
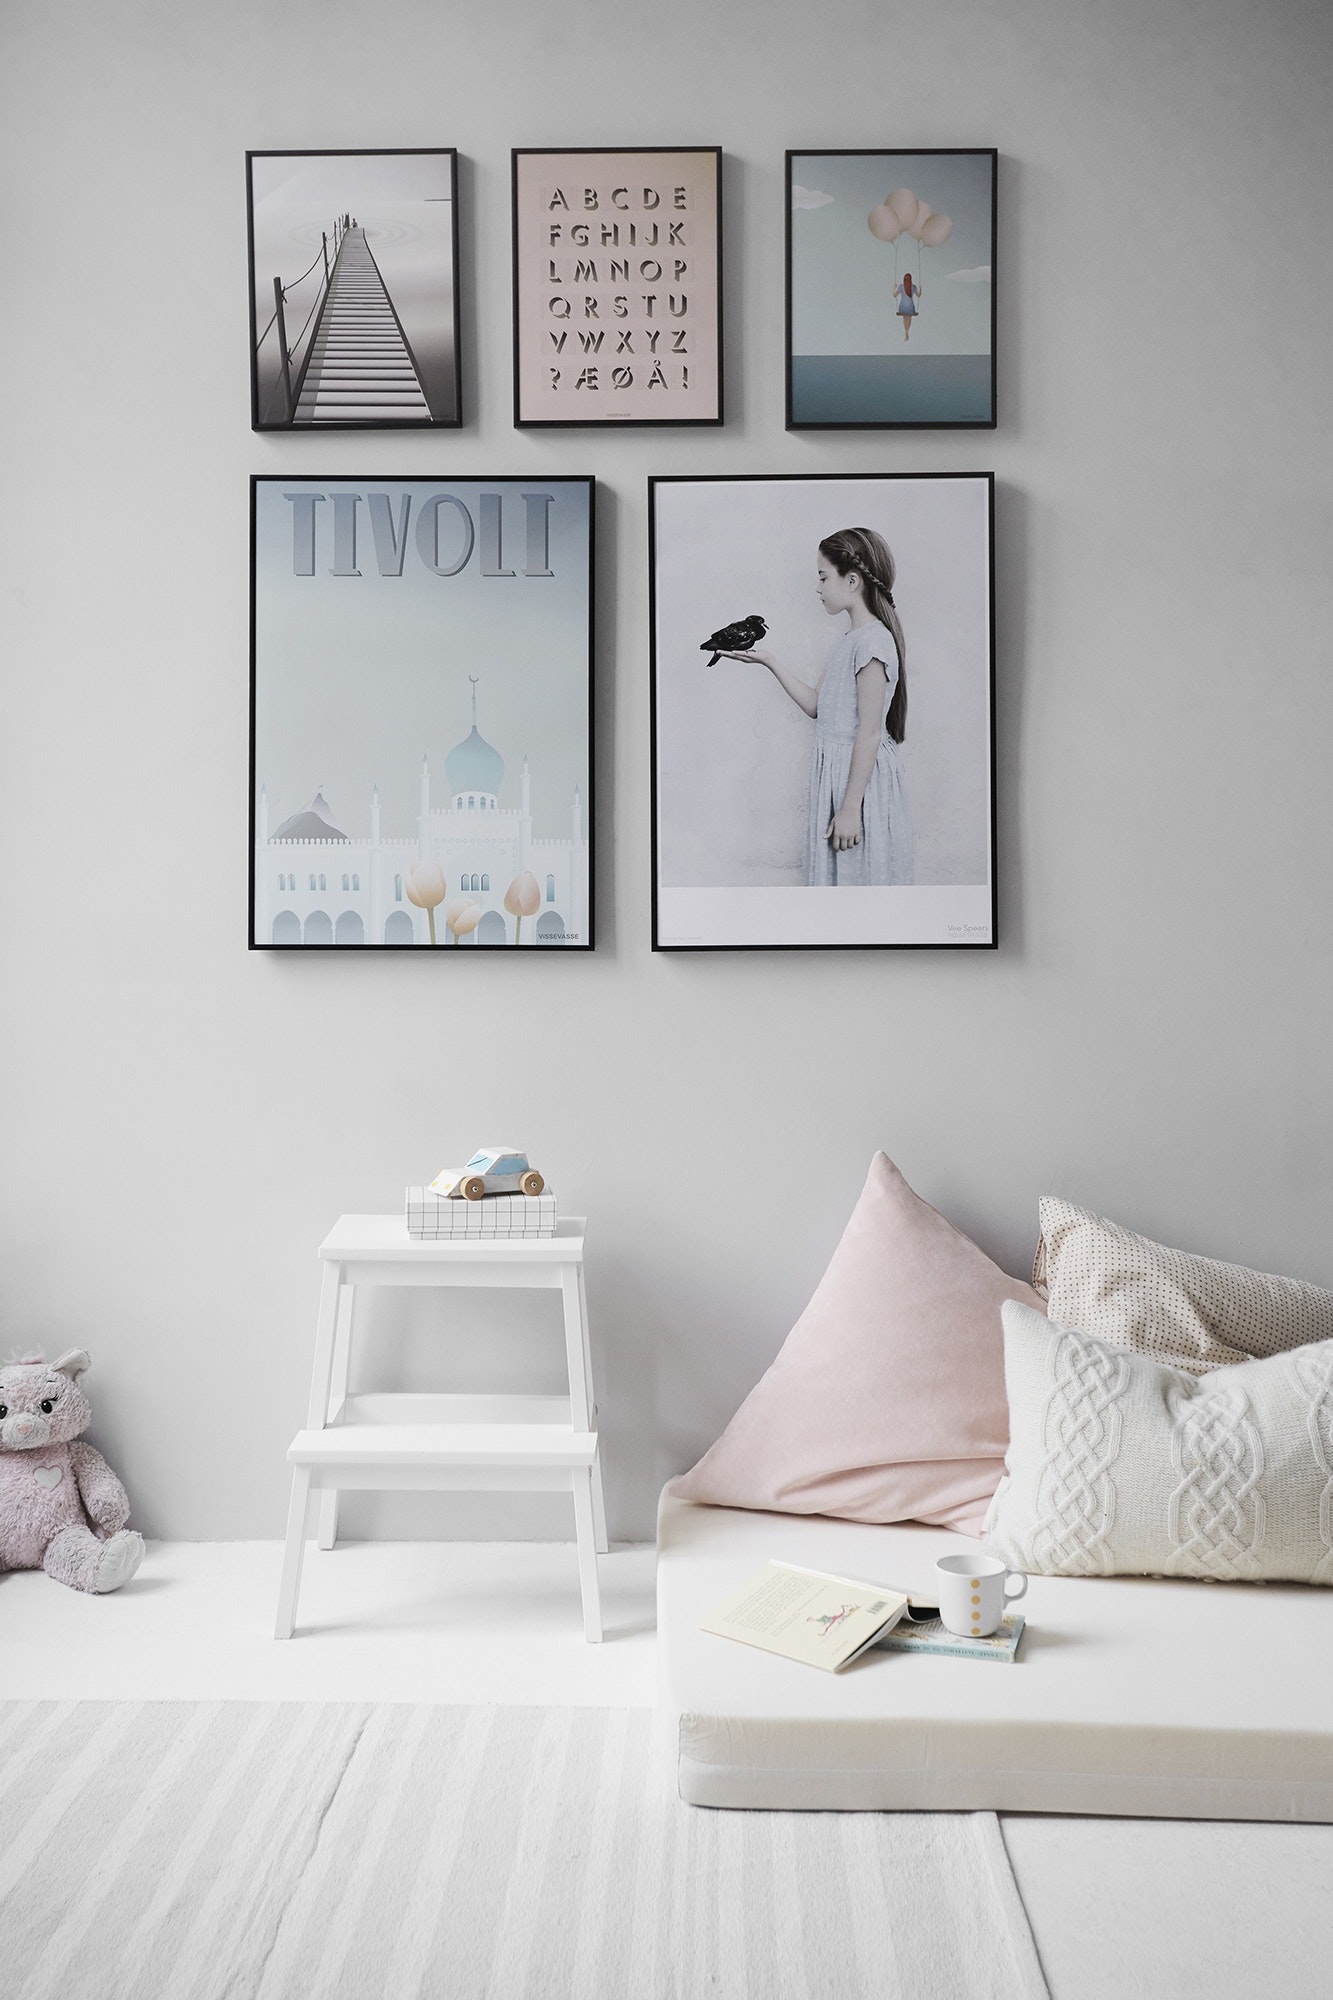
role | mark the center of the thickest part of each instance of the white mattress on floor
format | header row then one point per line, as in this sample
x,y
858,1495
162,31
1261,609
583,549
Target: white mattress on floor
x,y
1130,1695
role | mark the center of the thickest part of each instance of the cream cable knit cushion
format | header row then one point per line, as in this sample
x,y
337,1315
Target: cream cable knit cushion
x,y
1189,1311
1118,1465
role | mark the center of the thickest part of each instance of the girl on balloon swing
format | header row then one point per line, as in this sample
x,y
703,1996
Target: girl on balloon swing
x,y
899,213
908,306
858,831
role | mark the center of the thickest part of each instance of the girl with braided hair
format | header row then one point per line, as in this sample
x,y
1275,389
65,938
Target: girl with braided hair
x,y
858,826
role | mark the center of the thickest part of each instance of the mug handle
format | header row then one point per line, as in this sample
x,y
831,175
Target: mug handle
x,y
1014,1576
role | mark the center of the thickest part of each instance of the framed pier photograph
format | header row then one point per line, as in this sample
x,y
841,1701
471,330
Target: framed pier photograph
x,y
353,290
421,714
891,290
618,286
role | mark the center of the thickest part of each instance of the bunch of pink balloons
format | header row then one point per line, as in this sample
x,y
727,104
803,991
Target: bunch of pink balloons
x,y
900,213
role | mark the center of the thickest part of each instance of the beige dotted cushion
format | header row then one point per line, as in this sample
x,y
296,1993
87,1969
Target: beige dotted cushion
x,y
1191,1312
1119,1465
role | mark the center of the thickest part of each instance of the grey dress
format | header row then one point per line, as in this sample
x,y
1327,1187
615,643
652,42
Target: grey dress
x,y
883,856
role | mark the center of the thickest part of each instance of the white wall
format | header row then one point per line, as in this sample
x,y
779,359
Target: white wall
x,y
184,1119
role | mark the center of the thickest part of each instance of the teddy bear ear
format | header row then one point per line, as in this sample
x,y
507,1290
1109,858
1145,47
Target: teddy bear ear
x,y
72,1364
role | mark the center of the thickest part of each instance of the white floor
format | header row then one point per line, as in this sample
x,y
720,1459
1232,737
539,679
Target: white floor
x,y
1166,1910
404,1621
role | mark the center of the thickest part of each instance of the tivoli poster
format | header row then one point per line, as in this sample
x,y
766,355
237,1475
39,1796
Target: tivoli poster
x,y
421,713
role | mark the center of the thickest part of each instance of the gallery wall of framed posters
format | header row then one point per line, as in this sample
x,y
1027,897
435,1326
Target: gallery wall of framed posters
x,y
617,286
821,645
421,713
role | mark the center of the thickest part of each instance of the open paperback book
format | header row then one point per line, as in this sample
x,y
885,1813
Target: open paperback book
x,y
807,1615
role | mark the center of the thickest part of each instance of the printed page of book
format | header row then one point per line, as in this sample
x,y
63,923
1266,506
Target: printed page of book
x,y
822,1621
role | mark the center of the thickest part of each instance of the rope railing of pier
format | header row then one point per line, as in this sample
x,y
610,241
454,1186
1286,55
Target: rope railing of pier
x,y
290,377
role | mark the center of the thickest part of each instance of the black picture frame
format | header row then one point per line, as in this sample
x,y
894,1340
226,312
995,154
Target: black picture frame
x,y
838,297
734,777
366,336
592,346
385,614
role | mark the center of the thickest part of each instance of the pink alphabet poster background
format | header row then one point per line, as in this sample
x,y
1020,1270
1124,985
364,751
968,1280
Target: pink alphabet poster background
x,y
617,307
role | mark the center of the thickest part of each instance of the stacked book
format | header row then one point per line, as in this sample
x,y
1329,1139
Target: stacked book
x,y
918,1631
439,1218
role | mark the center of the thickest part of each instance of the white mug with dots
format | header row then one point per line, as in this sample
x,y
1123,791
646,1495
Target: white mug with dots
x,y
974,1590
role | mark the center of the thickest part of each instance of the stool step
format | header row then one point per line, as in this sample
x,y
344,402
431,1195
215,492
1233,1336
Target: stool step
x,y
411,1406
366,1445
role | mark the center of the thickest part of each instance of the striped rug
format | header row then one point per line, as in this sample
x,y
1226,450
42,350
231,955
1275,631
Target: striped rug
x,y
254,1850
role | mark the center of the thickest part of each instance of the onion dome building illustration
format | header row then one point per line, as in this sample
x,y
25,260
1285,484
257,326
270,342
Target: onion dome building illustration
x,y
473,769
316,884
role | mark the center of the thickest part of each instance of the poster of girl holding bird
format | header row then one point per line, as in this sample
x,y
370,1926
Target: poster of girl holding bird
x,y
823,743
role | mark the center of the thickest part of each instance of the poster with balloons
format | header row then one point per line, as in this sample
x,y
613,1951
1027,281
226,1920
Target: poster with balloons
x,y
891,290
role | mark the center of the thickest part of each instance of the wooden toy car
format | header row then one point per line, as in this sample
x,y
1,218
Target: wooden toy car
x,y
494,1170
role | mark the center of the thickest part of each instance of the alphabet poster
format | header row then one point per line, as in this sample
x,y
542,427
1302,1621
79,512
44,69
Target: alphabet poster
x,y
421,713
617,286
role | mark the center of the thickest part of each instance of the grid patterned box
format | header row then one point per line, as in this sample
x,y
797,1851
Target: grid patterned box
x,y
437,1218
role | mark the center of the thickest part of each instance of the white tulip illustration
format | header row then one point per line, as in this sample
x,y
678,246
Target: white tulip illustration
x,y
463,916
523,898
425,886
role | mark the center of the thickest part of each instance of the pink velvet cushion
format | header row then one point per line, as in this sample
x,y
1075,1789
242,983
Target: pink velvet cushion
x,y
887,1400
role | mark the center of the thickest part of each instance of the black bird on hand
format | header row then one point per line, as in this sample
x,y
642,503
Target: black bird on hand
x,y
742,637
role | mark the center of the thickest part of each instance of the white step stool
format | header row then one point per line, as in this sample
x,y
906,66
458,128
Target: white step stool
x,y
391,1441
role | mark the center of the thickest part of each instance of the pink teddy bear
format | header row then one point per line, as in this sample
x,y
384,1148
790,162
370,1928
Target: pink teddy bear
x,y
62,1508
